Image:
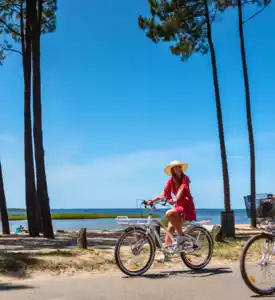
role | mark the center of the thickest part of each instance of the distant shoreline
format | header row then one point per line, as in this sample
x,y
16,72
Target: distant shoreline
x,y
81,216
116,208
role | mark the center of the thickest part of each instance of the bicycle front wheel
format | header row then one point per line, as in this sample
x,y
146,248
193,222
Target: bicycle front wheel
x,y
257,264
200,249
135,251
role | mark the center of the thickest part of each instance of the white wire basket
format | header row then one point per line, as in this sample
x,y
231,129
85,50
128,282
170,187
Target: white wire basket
x,y
126,221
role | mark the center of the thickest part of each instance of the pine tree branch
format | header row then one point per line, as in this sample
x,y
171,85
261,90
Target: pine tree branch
x,y
213,16
9,27
258,12
11,7
12,50
23,44
247,2
40,10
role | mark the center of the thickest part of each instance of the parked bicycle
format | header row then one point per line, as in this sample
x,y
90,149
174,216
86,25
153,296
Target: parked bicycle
x,y
143,236
260,248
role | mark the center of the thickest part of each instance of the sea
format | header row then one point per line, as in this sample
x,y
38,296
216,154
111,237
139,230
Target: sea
x,y
213,215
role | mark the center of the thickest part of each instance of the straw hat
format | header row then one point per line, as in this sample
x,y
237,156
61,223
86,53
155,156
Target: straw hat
x,y
175,163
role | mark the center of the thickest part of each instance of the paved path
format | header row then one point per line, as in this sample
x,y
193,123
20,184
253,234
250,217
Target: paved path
x,y
214,283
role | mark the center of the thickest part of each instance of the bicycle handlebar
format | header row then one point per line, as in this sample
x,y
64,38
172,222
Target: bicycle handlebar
x,y
162,201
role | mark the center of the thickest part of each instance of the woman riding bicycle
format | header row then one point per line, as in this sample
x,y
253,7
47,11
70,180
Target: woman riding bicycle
x,y
184,209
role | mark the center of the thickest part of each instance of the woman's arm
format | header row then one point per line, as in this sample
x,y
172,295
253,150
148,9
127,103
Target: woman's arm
x,y
152,201
182,187
174,201
161,195
165,194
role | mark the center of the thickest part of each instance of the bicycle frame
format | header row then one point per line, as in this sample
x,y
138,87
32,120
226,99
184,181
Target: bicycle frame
x,y
150,226
265,257
152,230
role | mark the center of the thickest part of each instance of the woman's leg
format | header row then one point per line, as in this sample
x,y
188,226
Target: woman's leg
x,y
182,220
175,219
171,230
163,257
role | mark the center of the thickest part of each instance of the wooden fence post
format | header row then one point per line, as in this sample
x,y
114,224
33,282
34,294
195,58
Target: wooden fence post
x,y
82,239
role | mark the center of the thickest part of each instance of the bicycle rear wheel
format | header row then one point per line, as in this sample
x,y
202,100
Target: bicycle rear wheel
x,y
261,247
202,247
142,246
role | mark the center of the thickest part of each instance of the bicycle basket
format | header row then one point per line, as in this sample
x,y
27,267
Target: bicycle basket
x,y
265,207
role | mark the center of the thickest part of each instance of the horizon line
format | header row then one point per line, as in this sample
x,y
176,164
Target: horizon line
x,y
216,208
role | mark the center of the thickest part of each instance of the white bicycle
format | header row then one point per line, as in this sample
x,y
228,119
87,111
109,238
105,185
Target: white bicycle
x,y
257,263
143,236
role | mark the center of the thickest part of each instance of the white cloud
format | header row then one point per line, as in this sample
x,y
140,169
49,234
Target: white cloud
x,y
116,181
7,138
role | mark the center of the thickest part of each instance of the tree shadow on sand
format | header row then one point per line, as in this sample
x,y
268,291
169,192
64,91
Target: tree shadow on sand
x,y
26,243
34,243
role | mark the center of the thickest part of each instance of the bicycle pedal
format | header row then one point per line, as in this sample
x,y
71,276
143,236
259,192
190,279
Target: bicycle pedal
x,y
164,259
190,248
187,245
171,248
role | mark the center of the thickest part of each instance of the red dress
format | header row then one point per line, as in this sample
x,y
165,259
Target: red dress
x,y
185,204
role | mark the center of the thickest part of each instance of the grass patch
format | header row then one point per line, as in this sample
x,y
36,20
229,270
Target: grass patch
x,y
69,261
21,264
228,250
79,216
232,250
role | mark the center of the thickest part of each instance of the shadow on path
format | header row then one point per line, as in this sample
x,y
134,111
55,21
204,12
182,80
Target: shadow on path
x,y
258,296
9,287
184,273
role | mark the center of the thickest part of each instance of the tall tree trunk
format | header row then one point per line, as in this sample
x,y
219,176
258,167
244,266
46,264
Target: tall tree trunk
x,y
226,184
3,205
42,188
30,188
249,119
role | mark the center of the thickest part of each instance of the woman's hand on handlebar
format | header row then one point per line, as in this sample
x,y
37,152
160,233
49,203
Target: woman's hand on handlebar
x,y
172,201
148,203
152,202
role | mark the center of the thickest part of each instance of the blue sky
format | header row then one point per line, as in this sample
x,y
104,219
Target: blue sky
x,y
117,108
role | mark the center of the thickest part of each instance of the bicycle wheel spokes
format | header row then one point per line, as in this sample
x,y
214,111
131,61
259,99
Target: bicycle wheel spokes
x,y
134,251
259,264
198,255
